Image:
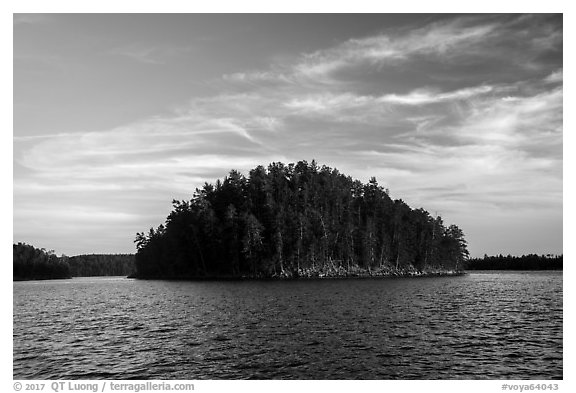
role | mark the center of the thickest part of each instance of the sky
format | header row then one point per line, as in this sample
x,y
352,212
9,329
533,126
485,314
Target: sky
x,y
115,115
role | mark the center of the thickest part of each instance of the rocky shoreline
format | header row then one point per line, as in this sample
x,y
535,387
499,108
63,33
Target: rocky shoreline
x,y
323,273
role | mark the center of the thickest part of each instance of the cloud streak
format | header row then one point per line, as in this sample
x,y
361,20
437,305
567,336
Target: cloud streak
x,y
462,39
154,55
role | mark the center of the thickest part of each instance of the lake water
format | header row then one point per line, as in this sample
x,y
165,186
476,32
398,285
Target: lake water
x,y
484,325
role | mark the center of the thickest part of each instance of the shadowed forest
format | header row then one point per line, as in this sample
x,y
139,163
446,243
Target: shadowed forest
x,y
297,220
31,263
509,262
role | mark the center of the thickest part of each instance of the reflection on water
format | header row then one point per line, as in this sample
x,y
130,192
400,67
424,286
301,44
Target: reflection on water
x,y
482,325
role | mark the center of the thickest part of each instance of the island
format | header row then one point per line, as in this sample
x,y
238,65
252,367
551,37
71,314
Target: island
x,y
297,220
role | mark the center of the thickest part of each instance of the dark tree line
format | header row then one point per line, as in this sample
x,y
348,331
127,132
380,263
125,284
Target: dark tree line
x,y
295,220
101,265
30,263
509,262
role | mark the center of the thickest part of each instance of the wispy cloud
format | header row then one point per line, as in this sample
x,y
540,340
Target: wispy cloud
x,y
426,97
555,77
438,39
152,54
458,39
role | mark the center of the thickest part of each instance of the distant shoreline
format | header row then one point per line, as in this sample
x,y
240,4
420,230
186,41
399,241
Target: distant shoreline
x,y
40,278
525,262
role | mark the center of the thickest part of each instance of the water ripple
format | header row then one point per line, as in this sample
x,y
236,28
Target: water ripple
x,y
480,326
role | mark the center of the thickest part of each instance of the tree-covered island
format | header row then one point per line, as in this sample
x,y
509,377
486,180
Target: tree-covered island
x,y
297,220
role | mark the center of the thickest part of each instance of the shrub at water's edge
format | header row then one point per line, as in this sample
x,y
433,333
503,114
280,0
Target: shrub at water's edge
x,y
296,220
